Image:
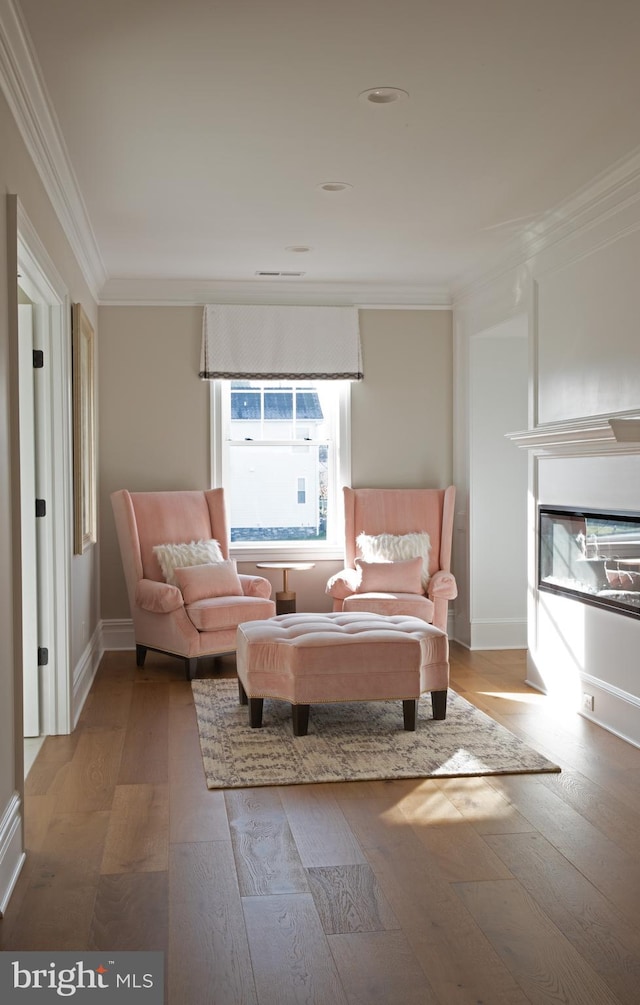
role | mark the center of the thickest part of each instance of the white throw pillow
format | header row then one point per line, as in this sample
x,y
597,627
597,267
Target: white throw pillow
x,y
176,556
397,548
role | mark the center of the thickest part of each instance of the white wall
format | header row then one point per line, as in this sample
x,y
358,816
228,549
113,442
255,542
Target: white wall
x,y
585,332
580,291
485,313
576,648
588,344
498,404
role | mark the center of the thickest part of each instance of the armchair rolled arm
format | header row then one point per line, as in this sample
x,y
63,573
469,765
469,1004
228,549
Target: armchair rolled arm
x,y
443,586
159,598
255,586
343,584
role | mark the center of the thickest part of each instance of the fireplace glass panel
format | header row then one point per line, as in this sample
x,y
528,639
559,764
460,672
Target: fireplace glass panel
x,y
592,556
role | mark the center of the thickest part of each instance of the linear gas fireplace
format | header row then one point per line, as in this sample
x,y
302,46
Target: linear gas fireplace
x,y
591,556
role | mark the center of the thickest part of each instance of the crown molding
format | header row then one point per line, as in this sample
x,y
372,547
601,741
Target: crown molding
x,y
609,192
26,95
618,433
192,293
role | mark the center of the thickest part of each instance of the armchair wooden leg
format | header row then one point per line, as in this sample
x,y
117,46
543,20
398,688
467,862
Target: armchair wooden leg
x,y
242,694
410,711
190,666
300,715
255,712
439,704
141,652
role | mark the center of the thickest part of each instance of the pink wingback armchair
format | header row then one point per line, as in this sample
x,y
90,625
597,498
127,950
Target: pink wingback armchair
x,y
162,620
398,512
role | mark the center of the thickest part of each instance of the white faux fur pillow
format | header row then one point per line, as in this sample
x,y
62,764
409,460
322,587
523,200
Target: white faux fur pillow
x,y
177,556
397,548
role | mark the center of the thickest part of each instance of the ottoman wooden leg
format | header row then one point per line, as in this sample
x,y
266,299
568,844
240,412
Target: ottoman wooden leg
x,y
300,714
242,694
409,710
439,704
255,712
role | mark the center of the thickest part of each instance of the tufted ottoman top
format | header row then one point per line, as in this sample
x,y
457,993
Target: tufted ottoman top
x,y
338,657
308,630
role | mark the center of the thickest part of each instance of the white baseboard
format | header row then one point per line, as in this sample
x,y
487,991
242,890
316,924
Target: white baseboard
x,y
506,633
117,633
84,672
615,710
12,855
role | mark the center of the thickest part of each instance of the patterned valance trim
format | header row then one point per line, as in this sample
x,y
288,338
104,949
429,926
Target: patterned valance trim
x,y
280,343
227,375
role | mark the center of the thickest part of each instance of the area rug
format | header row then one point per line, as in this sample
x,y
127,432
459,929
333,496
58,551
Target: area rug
x,y
355,741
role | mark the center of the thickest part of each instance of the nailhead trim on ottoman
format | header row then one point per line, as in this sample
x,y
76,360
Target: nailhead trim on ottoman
x,y
317,658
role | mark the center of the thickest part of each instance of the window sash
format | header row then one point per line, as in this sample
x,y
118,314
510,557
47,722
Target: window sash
x,y
255,551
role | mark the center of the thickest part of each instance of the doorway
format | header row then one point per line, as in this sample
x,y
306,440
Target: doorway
x,y
45,465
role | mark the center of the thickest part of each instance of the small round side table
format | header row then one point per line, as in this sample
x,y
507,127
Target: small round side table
x,y
286,598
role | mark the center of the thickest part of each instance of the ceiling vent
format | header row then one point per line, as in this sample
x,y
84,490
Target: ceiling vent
x,y
279,275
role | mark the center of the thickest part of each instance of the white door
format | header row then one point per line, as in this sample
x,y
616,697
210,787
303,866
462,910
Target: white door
x,y
46,459
28,536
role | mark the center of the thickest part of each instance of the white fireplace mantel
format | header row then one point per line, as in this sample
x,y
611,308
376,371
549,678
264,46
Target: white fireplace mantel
x,y
597,435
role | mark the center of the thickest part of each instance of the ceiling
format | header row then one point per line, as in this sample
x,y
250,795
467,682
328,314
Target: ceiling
x,y
199,132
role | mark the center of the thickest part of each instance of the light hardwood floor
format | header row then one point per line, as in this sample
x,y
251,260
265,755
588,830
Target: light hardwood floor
x,y
510,889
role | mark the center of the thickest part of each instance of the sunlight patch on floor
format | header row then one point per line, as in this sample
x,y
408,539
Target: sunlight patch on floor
x,y
441,801
31,748
526,698
478,800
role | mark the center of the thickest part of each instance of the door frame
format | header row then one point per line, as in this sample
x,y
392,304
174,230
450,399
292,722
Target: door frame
x,y
30,527
41,282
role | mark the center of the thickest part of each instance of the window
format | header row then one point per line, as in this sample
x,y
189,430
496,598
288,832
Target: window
x,y
270,436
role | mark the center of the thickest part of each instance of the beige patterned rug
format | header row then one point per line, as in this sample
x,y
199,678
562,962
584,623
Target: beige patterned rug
x,y
350,742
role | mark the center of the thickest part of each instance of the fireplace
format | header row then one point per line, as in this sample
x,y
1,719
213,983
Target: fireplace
x,y
591,556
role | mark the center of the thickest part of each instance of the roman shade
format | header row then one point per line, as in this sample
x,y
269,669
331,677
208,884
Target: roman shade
x,y
280,343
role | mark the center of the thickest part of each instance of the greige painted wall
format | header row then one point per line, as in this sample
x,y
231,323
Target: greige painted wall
x,y
153,420
401,413
154,416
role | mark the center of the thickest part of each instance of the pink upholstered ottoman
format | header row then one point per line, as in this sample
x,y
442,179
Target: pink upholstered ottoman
x,y
317,658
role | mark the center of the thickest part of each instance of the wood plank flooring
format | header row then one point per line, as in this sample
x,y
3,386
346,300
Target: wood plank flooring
x,y
481,891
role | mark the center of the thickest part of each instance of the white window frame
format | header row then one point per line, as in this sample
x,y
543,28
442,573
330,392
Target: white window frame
x,y
307,551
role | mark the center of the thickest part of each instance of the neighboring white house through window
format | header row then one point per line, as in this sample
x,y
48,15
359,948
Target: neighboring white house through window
x,y
270,437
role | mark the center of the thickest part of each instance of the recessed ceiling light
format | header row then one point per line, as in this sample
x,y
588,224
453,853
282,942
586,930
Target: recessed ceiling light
x,y
334,186
298,248
383,95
